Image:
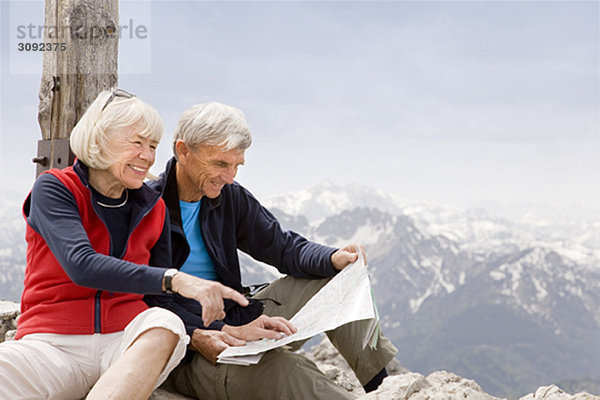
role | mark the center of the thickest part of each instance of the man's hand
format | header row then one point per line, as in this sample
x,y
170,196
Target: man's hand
x,y
211,343
262,327
210,294
346,256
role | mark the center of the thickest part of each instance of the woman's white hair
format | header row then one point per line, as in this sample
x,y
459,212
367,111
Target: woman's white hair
x,y
213,124
107,116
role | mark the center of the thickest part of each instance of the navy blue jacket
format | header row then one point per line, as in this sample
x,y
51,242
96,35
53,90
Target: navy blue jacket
x,y
235,220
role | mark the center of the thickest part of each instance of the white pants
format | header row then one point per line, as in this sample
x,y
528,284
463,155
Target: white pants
x,y
49,366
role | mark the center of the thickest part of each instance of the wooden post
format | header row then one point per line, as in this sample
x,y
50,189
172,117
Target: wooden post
x,y
84,34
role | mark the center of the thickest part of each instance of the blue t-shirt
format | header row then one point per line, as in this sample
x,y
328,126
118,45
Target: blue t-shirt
x,y
198,262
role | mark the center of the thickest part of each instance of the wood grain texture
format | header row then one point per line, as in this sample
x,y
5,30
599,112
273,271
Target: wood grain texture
x,y
73,77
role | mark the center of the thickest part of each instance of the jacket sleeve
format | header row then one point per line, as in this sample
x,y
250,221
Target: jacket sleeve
x,y
52,212
261,236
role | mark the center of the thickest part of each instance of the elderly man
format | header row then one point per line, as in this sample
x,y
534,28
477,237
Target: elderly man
x,y
212,216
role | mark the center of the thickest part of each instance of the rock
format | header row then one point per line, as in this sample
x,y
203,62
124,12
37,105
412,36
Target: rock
x,y
553,392
8,314
437,386
8,310
400,387
457,387
10,335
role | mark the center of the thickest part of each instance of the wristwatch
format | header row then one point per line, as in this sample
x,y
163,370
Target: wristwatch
x,y
168,280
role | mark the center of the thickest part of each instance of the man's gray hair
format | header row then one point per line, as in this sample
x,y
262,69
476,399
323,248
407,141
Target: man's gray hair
x,y
213,124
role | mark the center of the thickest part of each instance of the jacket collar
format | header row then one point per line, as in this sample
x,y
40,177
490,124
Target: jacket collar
x,y
168,188
82,172
145,197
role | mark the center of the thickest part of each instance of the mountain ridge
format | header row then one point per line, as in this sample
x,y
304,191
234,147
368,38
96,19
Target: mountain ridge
x,y
438,270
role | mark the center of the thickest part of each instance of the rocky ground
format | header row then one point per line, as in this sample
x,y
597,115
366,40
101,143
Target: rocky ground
x,y
400,385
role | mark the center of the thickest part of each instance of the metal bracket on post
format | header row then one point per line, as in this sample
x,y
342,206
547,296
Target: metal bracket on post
x,y
53,153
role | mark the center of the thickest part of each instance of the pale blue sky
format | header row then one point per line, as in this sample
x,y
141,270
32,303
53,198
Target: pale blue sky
x,y
448,102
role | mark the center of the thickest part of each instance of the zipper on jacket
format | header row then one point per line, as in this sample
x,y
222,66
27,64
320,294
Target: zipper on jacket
x,y
97,312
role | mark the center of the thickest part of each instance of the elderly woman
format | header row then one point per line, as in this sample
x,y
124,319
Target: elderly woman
x,y
93,231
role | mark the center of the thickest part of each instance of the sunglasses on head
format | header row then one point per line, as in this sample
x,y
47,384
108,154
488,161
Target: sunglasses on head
x,y
117,93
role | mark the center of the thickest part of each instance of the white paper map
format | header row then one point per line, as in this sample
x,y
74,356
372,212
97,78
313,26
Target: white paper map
x,y
346,298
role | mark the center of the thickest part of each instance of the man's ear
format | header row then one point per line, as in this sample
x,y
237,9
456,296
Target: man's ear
x,y
183,151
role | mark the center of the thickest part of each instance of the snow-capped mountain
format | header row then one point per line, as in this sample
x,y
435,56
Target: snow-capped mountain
x,y
327,198
476,230
518,319
511,304
480,231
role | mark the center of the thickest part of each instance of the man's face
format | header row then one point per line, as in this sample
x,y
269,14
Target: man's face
x,y
206,169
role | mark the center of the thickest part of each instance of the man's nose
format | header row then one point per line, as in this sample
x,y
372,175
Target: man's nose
x,y
229,175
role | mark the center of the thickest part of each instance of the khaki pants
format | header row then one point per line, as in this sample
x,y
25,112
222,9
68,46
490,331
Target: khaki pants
x,y
282,374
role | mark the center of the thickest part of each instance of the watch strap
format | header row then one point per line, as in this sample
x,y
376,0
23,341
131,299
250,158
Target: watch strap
x,y
168,279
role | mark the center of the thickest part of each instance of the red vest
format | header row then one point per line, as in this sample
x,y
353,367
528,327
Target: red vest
x,y
52,303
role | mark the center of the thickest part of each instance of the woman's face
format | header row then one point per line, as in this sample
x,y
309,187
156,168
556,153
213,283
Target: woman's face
x,y
134,156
